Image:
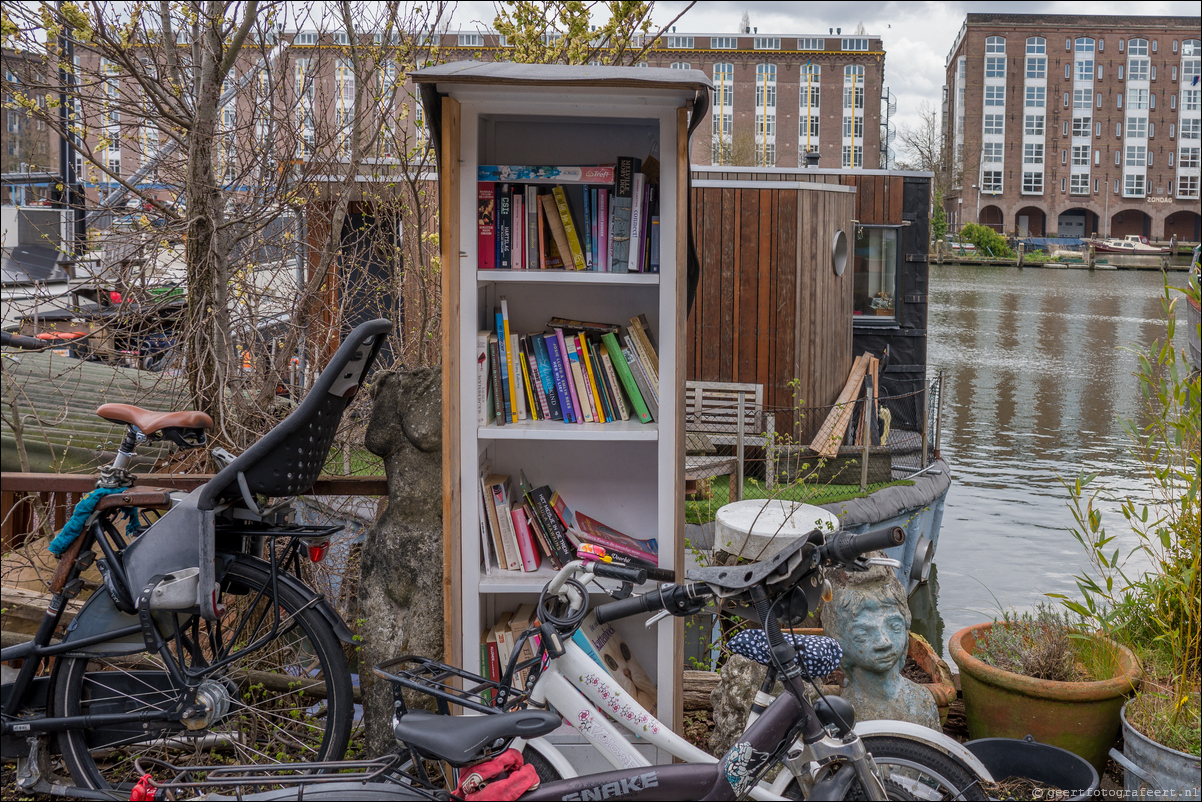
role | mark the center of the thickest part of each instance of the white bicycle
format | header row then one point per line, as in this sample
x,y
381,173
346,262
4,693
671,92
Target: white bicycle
x,y
928,764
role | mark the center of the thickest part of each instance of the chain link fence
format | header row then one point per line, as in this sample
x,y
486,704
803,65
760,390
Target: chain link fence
x,y
739,449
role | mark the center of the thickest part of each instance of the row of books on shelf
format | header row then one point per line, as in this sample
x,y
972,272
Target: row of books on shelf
x,y
601,642
519,530
603,218
574,372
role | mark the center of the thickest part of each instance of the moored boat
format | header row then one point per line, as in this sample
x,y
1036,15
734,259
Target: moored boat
x,y
1132,244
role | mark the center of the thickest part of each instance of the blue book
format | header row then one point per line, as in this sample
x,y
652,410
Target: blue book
x,y
582,641
546,376
551,343
588,229
504,349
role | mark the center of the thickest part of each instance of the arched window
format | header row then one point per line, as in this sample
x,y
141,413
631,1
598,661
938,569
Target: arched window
x,y
724,84
765,86
1037,58
853,86
1083,59
995,45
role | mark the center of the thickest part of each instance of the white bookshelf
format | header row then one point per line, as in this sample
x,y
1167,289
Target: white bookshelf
x,y
628,474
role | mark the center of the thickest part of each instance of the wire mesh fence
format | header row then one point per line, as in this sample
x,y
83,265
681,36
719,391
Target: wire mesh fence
x,y
739,449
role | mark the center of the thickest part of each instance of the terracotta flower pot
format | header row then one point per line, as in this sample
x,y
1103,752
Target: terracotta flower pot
x,y
1082,717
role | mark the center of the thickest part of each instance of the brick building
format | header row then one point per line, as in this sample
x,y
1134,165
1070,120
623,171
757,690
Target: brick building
x,y
1071,124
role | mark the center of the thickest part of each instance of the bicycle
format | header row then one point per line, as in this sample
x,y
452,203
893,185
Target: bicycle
x,y
816,744
205,638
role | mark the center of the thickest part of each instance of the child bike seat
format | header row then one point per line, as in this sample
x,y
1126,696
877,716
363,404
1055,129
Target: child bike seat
x,y
459,740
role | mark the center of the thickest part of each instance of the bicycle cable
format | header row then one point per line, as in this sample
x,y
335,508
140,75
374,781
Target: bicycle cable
x,y
564,624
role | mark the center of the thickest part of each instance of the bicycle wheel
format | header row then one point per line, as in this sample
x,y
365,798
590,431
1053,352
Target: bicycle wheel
x,y
287,701
923,770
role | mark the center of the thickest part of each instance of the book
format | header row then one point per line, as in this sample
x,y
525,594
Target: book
x,y
539,391
594,531
486,228
640,331
543,256
487,555
504,638
611,377
506,397
622,368
511,396
580,381
530,239
540,535
603,415
492,662
516,376
577,410
504,227
490,513
540,499
603,228
618,659
538,174
498,491
546,377
560,373
653,245
636,372
580,325
484,401
609,239
518,229
521,621
650,396
558,232
527,385
637,210
497,395
636,344
594,251
525,538
611,409
562,510
586,225
624,560
569,228
622,203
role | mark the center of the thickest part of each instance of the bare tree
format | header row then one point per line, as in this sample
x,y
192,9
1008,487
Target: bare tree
x,y
923,148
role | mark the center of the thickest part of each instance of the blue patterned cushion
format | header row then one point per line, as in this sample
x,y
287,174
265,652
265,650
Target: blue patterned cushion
x,y
818,655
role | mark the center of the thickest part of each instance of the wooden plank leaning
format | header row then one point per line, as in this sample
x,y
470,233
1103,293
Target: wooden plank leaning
x,y
826,442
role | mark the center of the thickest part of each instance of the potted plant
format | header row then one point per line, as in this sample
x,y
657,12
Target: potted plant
x,y
1042,675
1155,612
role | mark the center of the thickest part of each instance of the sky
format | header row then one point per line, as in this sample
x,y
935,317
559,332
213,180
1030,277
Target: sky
x,y
917,36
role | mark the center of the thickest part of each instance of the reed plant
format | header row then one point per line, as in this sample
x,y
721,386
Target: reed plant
x,y
1156,612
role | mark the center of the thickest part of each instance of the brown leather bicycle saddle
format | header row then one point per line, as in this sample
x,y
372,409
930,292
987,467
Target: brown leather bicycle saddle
x,y
150,422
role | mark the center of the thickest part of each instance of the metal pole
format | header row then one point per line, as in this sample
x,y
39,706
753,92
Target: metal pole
x,y
739,446
809,101
866,431
939,413
926,422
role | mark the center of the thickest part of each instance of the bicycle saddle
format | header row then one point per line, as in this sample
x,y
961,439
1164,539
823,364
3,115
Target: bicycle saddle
x,y
818,655
460,739
150,422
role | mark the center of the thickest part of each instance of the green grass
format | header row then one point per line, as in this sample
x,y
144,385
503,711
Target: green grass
x,y
362,463
703,511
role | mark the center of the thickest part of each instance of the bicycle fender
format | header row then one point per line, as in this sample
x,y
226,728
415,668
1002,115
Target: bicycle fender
x,y
937,740
100,615
549,753
835,786
341,630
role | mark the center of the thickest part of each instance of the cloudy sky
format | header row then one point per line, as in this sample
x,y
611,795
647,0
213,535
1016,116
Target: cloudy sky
x,y
917,36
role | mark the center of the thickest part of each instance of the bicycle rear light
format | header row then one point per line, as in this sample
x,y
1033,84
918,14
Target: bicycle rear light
x,y
317,551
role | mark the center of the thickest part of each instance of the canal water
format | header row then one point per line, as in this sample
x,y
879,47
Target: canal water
x,y
1037,380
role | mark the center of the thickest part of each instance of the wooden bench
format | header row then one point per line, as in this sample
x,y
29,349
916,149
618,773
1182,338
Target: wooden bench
x,y
713,412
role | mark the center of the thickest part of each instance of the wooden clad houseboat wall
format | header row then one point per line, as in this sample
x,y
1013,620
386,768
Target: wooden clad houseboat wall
x,y
769,306
890,198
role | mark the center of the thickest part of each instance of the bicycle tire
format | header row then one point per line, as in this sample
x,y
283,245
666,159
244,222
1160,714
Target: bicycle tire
x,y
269,719
904,762
546,772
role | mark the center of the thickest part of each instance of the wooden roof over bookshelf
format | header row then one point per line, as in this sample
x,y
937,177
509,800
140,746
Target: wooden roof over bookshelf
x,y
574,75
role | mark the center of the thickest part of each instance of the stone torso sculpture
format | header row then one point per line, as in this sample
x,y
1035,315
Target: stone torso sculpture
x,y
400,584
870,618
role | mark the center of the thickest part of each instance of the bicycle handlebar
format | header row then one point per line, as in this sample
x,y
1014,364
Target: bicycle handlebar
x,y
845,547
677,599
635,576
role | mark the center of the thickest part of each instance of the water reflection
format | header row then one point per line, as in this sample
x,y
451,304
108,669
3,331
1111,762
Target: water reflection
x,y
1038,378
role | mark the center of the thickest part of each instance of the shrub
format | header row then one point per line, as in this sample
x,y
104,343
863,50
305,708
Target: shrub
x,y
988,241
1045,645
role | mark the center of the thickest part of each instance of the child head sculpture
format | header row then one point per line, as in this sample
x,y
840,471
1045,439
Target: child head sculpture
x,y
870,617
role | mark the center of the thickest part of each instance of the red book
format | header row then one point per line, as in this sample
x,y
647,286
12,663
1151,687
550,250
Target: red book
x,y
486,223
526,545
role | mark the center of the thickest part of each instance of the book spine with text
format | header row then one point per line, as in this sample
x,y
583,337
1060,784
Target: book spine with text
x,y
486,225
511,380
531,235
577,409
527,382
612,379
558,234
576,254
603,229
621,367
603,414
623,203
515,376
579,381
504,400
536,381
586,225
546,377
483,385
636,223
559,374
640,379
504,226
526,547
553,527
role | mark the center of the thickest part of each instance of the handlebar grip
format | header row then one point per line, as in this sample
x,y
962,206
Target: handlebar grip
x,y
661,575
627,607
636,576
845,547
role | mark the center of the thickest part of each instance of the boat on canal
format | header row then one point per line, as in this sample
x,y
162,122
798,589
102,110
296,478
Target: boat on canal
x,y
1131,244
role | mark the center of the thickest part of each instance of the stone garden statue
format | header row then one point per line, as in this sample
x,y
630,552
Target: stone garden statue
x,y
870,617
400,574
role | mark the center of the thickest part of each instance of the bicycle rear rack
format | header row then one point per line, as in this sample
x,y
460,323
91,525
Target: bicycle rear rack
x,y
454,686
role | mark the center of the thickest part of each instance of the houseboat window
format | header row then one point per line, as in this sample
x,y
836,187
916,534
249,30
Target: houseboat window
x,y
875,274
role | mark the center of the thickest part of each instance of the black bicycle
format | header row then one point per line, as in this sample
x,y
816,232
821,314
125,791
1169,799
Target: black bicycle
x,y
204,643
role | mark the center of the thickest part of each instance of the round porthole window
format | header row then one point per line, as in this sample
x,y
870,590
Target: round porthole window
x,y
839,252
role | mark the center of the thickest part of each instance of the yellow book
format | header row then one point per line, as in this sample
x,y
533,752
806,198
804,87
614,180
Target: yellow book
x,y
565,215
532,402
592,379
513,399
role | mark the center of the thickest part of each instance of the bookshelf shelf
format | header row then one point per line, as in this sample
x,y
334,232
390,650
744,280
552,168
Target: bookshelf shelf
x,y
557,430
566,277
627,474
